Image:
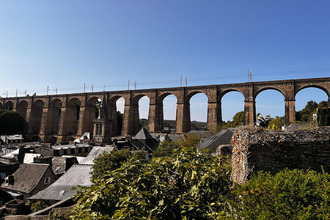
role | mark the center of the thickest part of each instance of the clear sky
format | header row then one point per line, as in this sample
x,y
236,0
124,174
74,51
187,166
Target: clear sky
x,y
64,44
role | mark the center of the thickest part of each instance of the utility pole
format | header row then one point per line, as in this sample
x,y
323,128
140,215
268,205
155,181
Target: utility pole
x,y
56,90
134,85
47,89
186,82
84,87
25,92
129,82
16,92
181,81
103,88
92,88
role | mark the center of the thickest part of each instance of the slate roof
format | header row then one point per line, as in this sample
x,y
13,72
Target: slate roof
x,y
212,143
95,152
61,189
143,134
28,157
27,177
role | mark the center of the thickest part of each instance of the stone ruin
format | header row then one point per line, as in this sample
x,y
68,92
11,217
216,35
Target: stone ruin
x,y
255,149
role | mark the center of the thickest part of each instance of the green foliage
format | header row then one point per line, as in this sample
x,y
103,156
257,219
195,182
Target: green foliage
x,y
238,120
11,122
166,148
323,115
113,160
322,104
290,194
189,140
276,124
39,205
185,186
306,113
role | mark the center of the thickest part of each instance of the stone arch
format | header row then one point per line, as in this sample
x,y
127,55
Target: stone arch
x,y
187,110
91,113
35,117
1,106
72,115
225,115
306,94
257,92
312,86
116,126
9,105
161,119
53,117
270,106
22,107
134,115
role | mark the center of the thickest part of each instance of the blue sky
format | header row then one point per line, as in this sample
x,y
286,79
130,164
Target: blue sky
x,y
64,44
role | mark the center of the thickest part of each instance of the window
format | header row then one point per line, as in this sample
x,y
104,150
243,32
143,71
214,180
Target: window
x,y
47,180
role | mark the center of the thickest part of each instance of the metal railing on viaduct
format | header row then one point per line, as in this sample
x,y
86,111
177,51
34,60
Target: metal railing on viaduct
x,y
70,115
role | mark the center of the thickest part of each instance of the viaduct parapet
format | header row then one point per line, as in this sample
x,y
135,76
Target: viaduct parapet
x,y
61,118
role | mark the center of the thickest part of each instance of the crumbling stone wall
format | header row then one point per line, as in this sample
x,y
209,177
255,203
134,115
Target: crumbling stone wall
x,y
256,149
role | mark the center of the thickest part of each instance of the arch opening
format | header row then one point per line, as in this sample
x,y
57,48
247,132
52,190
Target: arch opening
x,y
35,117
116,115
198,104
270,104
232,104
91,113
169,122
22,108
53,117
308,100
143,113
8,105
72,114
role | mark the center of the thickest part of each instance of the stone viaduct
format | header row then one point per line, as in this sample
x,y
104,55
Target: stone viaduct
x,y
61,118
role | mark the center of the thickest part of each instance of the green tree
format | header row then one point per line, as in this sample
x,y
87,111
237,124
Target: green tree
x,y
109,161
276,124
11,122
239,118
189,140
166,148
290,194
306,113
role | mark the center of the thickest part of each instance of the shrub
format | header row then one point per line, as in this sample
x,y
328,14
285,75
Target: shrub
x,y
276,124
185,186
112,160
290,194
166,148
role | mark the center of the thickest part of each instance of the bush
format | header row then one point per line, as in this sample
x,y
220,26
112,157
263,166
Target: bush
x,y
290,194
276,124
111,161
185,186
166,148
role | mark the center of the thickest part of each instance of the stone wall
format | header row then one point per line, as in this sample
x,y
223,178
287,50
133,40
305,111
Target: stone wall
x,y
256,149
